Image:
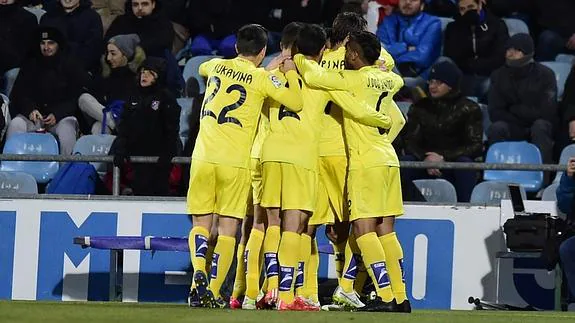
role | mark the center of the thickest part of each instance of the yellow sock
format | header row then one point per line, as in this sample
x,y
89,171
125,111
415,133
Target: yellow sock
x,y
198,243
288,255
301,276
339,257
271,246
374,257
240,281
349,273
311,273
221,262
253,263
394,261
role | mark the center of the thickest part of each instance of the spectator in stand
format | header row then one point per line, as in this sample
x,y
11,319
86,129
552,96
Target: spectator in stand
x,y
523,99
144,18
46,91
373,11
108,10
558,36
413,38
116,86
566,134
149,126
444,127
475,41
83,28
565,202
441,8
17,32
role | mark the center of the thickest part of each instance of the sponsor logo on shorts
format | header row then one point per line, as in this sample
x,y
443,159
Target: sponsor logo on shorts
x,y
214,269
380,273
271,262
351,272
201,245
299,277
286,278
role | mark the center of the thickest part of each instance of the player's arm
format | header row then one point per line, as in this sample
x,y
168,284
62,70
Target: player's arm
x,y
288,97
321,78
360,111
386,59
206,67
398,120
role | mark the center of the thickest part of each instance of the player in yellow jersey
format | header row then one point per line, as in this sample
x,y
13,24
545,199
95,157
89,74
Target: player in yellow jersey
x,y
374,190
220,169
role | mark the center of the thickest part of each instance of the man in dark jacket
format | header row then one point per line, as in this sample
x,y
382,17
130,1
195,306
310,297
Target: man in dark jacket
x,y
523,99
46,91
558,36
83,29
17,27
566,134
144,18
475,41
444,127
565,202
149,126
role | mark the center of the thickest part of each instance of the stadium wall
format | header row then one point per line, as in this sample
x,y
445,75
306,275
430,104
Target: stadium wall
x,y
449,253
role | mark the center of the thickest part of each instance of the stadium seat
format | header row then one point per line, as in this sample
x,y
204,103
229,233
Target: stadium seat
x,y
17,183
404,107
565,58
5,98
191,69
486,120
561,71
32,144
549,194
516,26
186,105
436,190
38,12
567,152
95,145
491,193
515,152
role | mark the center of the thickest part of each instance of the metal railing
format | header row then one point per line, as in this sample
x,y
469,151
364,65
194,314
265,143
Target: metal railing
x,y
187,160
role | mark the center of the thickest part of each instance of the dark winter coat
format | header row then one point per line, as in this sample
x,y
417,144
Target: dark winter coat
x,y
49,84
17,28
451,126
556,15
487,55
568,102
522,95
156,31
83,29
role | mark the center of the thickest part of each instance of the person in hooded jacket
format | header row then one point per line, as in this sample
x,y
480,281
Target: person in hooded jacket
x,y
116,85
149,126
475,41
46,92
83,28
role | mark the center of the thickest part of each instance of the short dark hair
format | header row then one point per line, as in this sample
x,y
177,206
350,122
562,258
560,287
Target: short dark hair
x,y
289,34
310,40
346,23
368,45
251,39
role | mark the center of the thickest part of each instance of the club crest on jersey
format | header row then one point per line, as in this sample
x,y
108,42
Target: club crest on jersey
x,y
155,105
380,273
275,81
299,277
351,272
286,278
201,246
271,262
214,269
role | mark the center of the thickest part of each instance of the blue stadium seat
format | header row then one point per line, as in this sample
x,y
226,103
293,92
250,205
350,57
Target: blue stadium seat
x,y
404,107
549,194
436,190
515,152
95,145
565,58
516,26
5,98
561,71
486,120
33,144
38,12
186,105
566,153
491,193
191,69
17,183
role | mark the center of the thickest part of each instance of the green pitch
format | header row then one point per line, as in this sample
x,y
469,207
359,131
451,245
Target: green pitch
x,y
47,312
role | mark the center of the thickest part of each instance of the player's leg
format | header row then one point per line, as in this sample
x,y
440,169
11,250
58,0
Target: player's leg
x,y
306,281
252,258
289,254
240,279
212,240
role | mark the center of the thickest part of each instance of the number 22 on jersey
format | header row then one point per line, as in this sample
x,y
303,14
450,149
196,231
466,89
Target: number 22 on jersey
x,y
223,117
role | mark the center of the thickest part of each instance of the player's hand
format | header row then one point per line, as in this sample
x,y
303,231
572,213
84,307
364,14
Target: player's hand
x,y
572,130
571,42
571,167
433,157
276,62
381,64
35,115
287,65
50,120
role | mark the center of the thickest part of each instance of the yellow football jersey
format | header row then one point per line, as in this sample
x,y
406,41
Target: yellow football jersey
x,y
235,93
262,132
367,145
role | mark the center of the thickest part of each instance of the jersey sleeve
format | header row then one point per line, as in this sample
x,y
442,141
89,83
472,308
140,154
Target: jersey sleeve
x,y
206,67
398,120
360,111
289,97
321,78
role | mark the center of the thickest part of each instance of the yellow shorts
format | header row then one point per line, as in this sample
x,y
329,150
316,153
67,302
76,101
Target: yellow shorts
x,y
219,189
374,192
257,185
288,186
331,190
